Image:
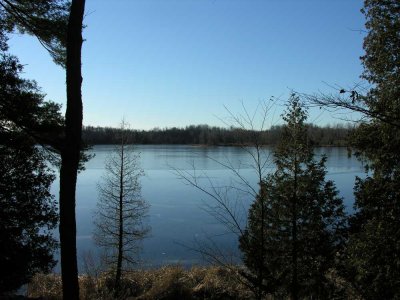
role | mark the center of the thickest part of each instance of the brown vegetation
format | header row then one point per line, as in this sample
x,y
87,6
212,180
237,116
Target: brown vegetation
x,y
170,282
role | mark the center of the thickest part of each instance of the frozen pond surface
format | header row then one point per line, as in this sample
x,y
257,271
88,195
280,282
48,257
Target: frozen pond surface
x,y
177,213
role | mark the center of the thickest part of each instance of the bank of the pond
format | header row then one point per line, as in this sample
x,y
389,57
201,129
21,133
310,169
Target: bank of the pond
x,y
169,282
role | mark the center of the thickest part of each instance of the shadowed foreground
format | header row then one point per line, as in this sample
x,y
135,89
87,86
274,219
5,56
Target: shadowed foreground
x,y
170,282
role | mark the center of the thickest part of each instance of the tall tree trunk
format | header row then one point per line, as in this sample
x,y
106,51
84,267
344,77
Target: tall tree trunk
x,y
70,153
294,283
262,196
121,221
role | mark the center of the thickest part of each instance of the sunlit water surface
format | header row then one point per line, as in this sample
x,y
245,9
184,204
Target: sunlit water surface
x,y
177,215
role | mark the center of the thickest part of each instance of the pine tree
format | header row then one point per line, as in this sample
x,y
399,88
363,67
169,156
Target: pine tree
x,y
28,212
27,209
44,19
295,224
57,24
71,151
373,259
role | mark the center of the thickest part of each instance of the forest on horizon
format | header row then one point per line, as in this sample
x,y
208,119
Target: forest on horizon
x,y
296,240
325,136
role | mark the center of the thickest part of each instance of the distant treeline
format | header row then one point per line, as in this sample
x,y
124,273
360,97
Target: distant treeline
x,y
208,135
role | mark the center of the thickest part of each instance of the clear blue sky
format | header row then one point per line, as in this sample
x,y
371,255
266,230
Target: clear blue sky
x,y
178,62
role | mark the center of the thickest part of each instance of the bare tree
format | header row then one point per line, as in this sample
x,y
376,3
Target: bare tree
x,y
230,202
121,208
356,99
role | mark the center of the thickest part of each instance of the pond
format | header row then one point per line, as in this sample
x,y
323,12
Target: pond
x,y
178,214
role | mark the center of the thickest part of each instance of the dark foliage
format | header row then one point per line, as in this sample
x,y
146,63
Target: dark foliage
x,y
58,27
212,136
22,105
45,19
296,224
373,258
27,208
27,211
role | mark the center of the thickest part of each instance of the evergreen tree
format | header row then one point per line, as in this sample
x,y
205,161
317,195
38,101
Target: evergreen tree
x,y
373,258
27,209
71,151
23,108
295,224
27,212
58,26
44,19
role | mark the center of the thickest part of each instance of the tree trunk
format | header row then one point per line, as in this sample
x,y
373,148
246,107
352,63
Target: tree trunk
x,y
70,153
121,221
294,283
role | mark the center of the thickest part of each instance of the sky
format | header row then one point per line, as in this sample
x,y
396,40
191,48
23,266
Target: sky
x,y
164,63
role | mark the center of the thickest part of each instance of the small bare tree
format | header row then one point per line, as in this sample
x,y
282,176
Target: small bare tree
x,y
121,209
230,202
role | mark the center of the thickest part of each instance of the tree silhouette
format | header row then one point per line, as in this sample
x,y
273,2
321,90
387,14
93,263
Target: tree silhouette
x,y
58,26
44,19
71,152
121,208
27,213
372,262
27,208
229,202
297,218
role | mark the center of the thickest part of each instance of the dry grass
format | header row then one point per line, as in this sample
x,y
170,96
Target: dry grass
x,y
171,282
166,283
46,286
